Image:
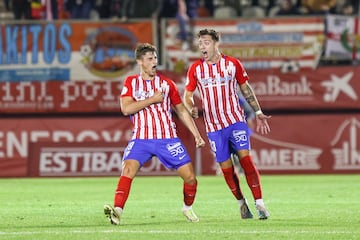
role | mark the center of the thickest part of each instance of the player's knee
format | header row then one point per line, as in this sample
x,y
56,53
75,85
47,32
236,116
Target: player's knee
x,y
129,169
243,153
226,164
189,178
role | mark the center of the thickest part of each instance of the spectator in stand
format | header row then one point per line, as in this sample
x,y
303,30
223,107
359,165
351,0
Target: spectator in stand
x,y
45,9
21,9
345,8
317,6
107,7
287,7
185,11
355,4
80,9
167,9
51,10
235,4
7,5
63,13
206,8
262,4
186,16
138,9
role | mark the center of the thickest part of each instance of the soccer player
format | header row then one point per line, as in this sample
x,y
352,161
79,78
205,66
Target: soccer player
x,y
148,98
217,77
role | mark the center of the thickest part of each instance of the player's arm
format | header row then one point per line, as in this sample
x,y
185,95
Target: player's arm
x,y
189,103
130,106
250,97
186,118
190,87
261,119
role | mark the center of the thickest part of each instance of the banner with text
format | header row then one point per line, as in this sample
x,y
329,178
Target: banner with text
x,y
58,96
72,147
69,50
94,147
332,88
271,43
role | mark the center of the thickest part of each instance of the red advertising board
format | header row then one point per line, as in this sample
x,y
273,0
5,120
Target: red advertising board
x,y
326,88
313,143
49,159
321,143
60,97
46,147
332,88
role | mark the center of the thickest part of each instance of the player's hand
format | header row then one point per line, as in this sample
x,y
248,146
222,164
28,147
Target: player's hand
x,y
194,112
158,97
199,142
262,125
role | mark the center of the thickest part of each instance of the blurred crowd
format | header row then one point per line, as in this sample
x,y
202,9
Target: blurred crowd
x,y
181,9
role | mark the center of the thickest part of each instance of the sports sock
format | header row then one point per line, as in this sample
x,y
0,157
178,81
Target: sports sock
x,y
122,191
259,202
185,207
241,201
232,181
119,210
189,191
252,176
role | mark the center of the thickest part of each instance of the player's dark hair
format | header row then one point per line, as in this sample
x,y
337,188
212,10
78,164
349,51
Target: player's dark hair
x,y
214,34
143,48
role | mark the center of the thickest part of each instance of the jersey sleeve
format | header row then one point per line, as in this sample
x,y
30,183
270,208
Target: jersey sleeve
x,y
127,89
191,80
174,93
240,72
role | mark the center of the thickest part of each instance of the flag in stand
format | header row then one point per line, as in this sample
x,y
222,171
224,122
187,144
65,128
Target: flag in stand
x,y
343,39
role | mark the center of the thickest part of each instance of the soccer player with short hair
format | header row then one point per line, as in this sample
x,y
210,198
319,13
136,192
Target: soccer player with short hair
x,y
149,98
217,78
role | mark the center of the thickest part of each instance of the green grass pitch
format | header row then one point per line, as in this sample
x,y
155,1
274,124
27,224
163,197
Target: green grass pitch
x,y
301,207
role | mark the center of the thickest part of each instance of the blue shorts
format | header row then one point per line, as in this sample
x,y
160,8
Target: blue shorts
x,y
229,140
171,152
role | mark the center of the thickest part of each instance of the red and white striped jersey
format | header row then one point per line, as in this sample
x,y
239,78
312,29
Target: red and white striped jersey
x,y
218,85
154,121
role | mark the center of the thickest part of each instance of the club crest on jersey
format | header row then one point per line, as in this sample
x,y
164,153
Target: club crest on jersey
x,y
229,70
175,148
239,135
164,86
